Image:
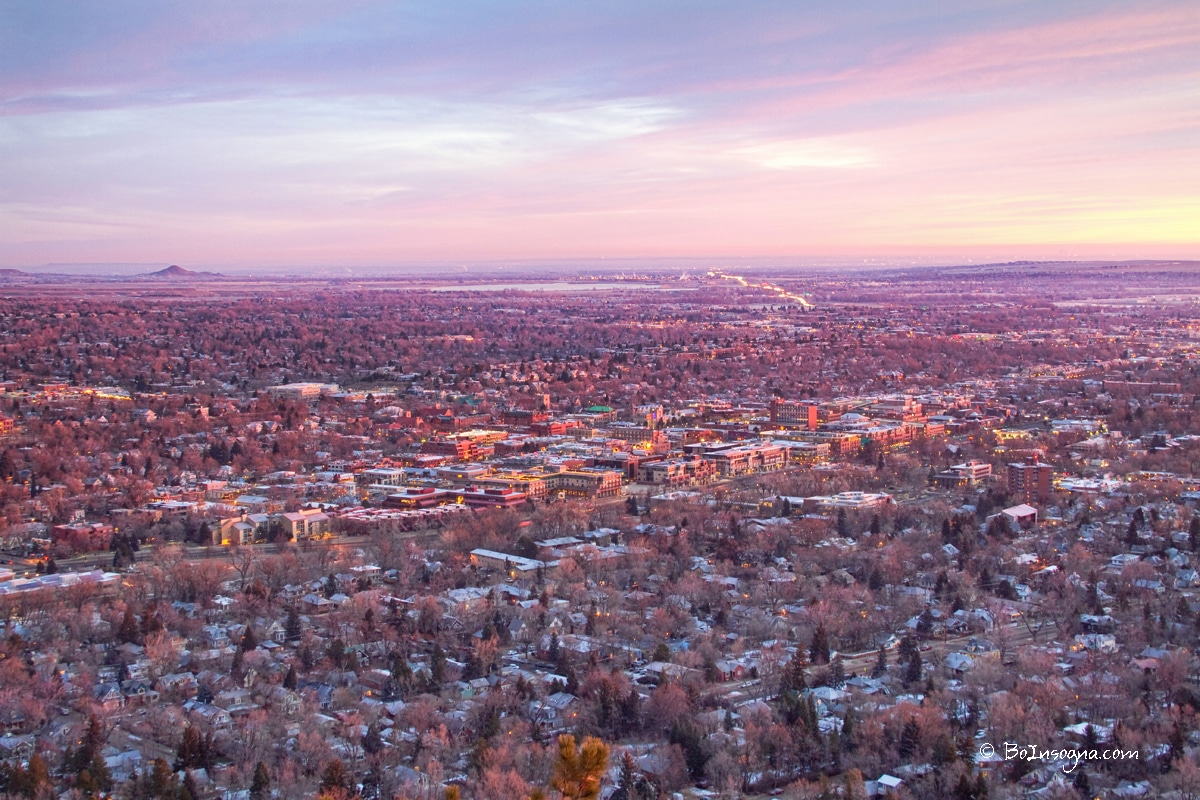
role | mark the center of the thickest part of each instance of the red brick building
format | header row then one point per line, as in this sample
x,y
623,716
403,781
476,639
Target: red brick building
x,y
1031,480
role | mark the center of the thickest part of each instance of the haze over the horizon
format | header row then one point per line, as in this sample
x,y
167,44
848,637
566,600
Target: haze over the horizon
x,y
368,134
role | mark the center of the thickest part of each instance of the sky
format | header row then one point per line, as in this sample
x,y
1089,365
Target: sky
x,y
231,134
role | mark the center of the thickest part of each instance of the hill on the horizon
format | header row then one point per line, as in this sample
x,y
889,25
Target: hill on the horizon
x,y
176,272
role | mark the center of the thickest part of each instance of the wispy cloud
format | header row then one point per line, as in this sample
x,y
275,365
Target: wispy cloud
x,y
808,154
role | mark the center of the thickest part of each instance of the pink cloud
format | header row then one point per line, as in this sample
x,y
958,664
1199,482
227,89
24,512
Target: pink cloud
x,y
1090,54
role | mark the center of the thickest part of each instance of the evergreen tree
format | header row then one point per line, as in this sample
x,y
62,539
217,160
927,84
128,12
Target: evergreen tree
x,y
631,711
875,580
260,787
811,720
627,782
578,772
837,672
372,742
998,527
189,754
880,667
818,649
689,738
437,666
208,751
87,785
100,776
335,777
853,786
38,775
912,674
794,677
1194,532
925,623
289,680
944,752
160,783
18,781
88,752
129,631
336,652
291,627
847,738
402,672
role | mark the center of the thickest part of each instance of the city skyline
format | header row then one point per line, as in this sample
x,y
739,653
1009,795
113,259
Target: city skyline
x,y
369,136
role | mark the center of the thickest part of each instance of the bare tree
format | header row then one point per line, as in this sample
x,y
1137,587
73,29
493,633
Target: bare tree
x,y
245,562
